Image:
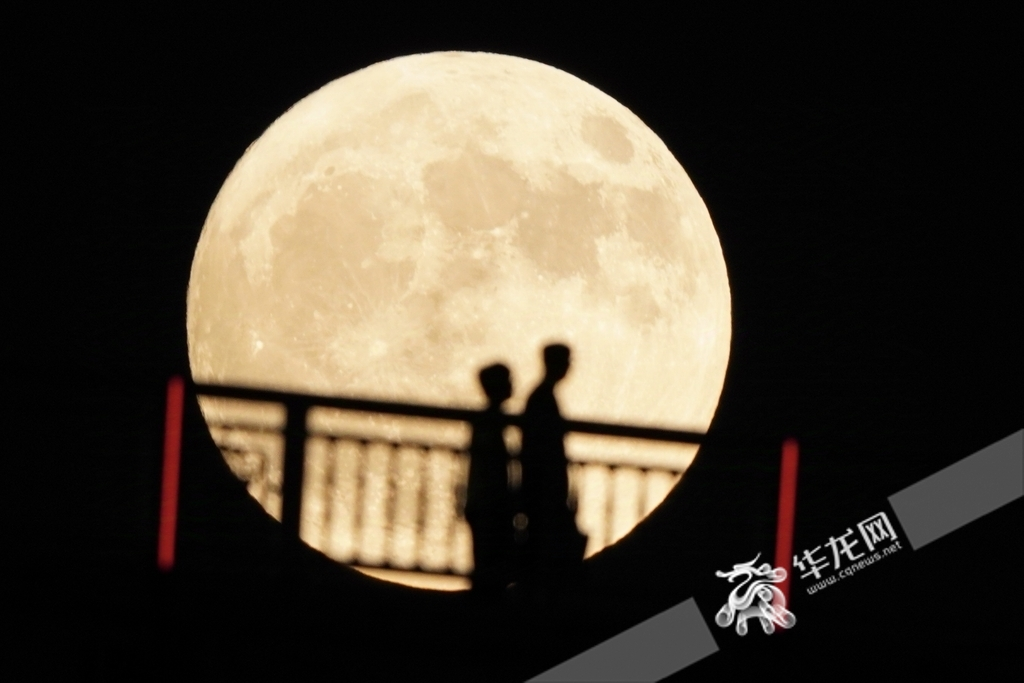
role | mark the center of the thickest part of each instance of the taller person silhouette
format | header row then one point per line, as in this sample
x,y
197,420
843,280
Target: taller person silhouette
x,y
555,546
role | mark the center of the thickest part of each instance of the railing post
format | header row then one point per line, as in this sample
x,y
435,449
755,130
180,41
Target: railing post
x,y
294,468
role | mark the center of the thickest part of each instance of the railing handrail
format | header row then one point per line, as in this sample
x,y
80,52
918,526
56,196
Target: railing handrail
x,y
436,412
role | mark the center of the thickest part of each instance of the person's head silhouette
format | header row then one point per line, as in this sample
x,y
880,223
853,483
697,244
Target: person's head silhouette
x,y
496,381
556,362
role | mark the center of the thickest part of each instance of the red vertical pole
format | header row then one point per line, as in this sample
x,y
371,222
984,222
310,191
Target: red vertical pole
x,y
787,512
172,468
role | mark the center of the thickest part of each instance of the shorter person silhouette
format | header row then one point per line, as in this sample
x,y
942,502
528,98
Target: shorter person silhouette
x,y
488,501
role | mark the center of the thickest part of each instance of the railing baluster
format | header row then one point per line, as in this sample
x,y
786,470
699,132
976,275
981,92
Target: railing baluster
x,y
327,494
358,499
421,506
264,479
348,458
609,524
369,542
639,482
390,500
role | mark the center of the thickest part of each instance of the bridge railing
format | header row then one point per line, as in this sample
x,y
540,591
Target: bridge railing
x,y
375,497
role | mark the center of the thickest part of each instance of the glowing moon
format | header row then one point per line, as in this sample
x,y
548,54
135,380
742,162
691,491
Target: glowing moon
x,y
411,222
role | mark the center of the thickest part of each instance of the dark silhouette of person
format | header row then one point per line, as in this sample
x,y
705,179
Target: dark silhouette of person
x,y
555,545
488,501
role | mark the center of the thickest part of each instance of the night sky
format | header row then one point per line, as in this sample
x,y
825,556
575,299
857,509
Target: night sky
x,y
862,175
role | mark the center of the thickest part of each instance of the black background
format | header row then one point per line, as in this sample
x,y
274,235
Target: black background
x,y
861,172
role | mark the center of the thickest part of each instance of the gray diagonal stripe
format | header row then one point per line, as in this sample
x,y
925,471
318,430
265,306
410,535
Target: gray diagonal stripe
x,y
963,492
650,651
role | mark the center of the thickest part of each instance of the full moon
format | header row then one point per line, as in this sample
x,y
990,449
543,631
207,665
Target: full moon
x,y
414,221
